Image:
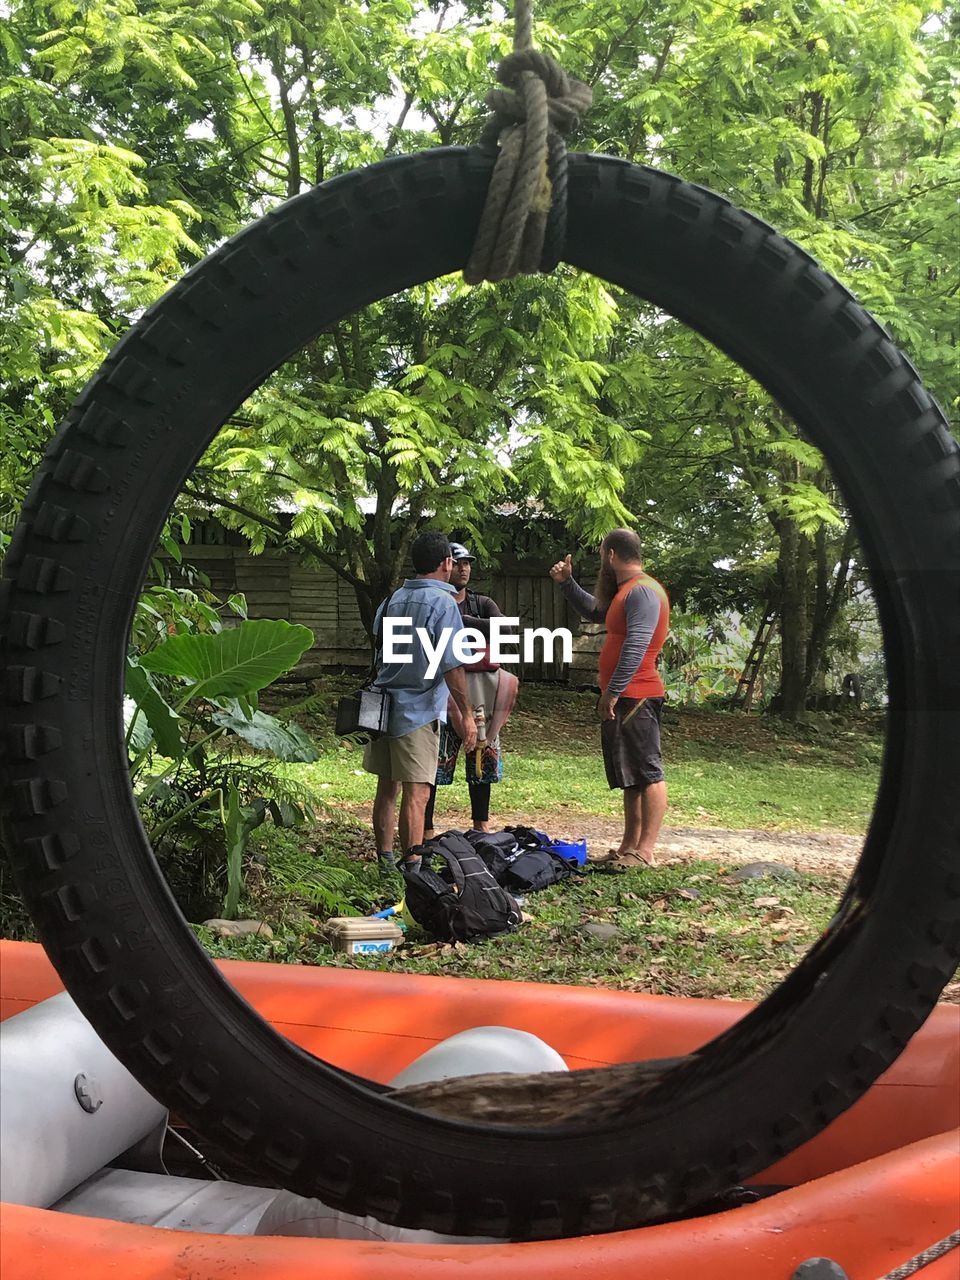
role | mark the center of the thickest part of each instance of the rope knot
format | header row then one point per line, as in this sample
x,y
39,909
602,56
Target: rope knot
x,y
567,98
523,224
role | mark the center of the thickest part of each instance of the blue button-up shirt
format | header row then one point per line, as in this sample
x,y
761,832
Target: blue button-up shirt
x,y
416,700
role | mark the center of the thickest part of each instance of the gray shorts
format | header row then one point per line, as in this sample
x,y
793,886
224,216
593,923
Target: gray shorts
x,y
631,743
412,758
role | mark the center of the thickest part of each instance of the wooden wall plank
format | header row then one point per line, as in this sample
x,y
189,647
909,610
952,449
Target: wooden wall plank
x,y
266,585
277,585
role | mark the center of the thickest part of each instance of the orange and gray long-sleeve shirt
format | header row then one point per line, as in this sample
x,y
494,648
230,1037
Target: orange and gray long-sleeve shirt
x,y
638,619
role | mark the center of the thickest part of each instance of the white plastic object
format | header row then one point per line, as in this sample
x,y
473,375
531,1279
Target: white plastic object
x,y
53,1133
480,1050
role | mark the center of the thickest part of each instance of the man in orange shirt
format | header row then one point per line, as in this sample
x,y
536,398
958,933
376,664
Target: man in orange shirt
x,y
636,610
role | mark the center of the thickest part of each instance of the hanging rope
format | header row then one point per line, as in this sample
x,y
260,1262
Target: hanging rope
x,y
938,1250
523,224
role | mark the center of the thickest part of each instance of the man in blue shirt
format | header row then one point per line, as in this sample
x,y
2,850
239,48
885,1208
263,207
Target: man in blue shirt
x,y
420,623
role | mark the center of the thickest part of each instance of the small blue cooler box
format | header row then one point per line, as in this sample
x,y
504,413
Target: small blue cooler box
x,y
572,850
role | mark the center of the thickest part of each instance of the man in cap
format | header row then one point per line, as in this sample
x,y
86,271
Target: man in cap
x,y
404,759
489,688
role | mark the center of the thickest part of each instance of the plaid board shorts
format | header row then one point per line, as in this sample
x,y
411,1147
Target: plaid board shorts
x,y
491,761
631,743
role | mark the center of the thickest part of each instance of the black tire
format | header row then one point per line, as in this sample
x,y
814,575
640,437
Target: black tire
x,y
79,557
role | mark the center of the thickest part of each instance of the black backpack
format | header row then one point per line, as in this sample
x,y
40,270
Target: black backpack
x,y
497,849
463,901
537,865
535,869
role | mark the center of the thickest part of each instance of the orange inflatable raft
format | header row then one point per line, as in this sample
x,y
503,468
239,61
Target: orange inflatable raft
x,y
872,1191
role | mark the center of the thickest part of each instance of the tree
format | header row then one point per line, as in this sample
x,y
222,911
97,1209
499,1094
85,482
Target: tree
x,y
135,136
99,180
834,122
430,405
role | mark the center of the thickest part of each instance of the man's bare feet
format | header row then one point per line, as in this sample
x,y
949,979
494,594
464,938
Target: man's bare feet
x,y
628,857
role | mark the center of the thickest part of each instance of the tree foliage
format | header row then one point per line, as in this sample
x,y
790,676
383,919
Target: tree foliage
x,y
136,134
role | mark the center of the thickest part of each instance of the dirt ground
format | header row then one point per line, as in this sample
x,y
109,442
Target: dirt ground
x,y
816,853
813,852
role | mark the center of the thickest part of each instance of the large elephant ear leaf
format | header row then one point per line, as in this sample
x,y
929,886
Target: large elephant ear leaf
x,y
164,722
285,741
236,662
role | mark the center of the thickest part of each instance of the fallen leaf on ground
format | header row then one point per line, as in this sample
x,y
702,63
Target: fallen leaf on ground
x,y
777,914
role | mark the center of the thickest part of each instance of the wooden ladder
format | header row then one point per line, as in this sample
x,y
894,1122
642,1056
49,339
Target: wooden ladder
x,y
743,694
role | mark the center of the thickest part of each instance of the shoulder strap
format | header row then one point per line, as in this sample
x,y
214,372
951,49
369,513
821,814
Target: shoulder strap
x,y
453,862
378,636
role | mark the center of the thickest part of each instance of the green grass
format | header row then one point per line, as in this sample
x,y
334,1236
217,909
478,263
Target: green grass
x,y
682,930
723,769
685,928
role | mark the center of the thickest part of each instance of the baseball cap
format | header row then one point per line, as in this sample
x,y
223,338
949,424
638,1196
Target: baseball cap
x,y
460,552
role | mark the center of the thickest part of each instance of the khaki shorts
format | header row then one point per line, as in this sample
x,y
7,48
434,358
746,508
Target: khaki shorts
x,y
412,758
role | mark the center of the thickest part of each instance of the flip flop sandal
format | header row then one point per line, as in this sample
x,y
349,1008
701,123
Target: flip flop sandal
x,y
602,857
626,861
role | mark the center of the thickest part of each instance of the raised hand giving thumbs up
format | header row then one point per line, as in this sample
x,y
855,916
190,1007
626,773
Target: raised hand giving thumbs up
x,y
562,570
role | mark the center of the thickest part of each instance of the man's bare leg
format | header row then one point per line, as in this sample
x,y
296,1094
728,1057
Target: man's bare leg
x,y
385,814
412,809
632,820
653,805
643,810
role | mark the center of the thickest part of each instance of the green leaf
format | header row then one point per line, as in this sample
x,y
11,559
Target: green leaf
x,y
164,722
136,726
285,741
171,546
234,663
798,449
285,813
239,823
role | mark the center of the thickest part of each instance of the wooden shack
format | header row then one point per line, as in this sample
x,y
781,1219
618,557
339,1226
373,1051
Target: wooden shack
x,y
276,584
